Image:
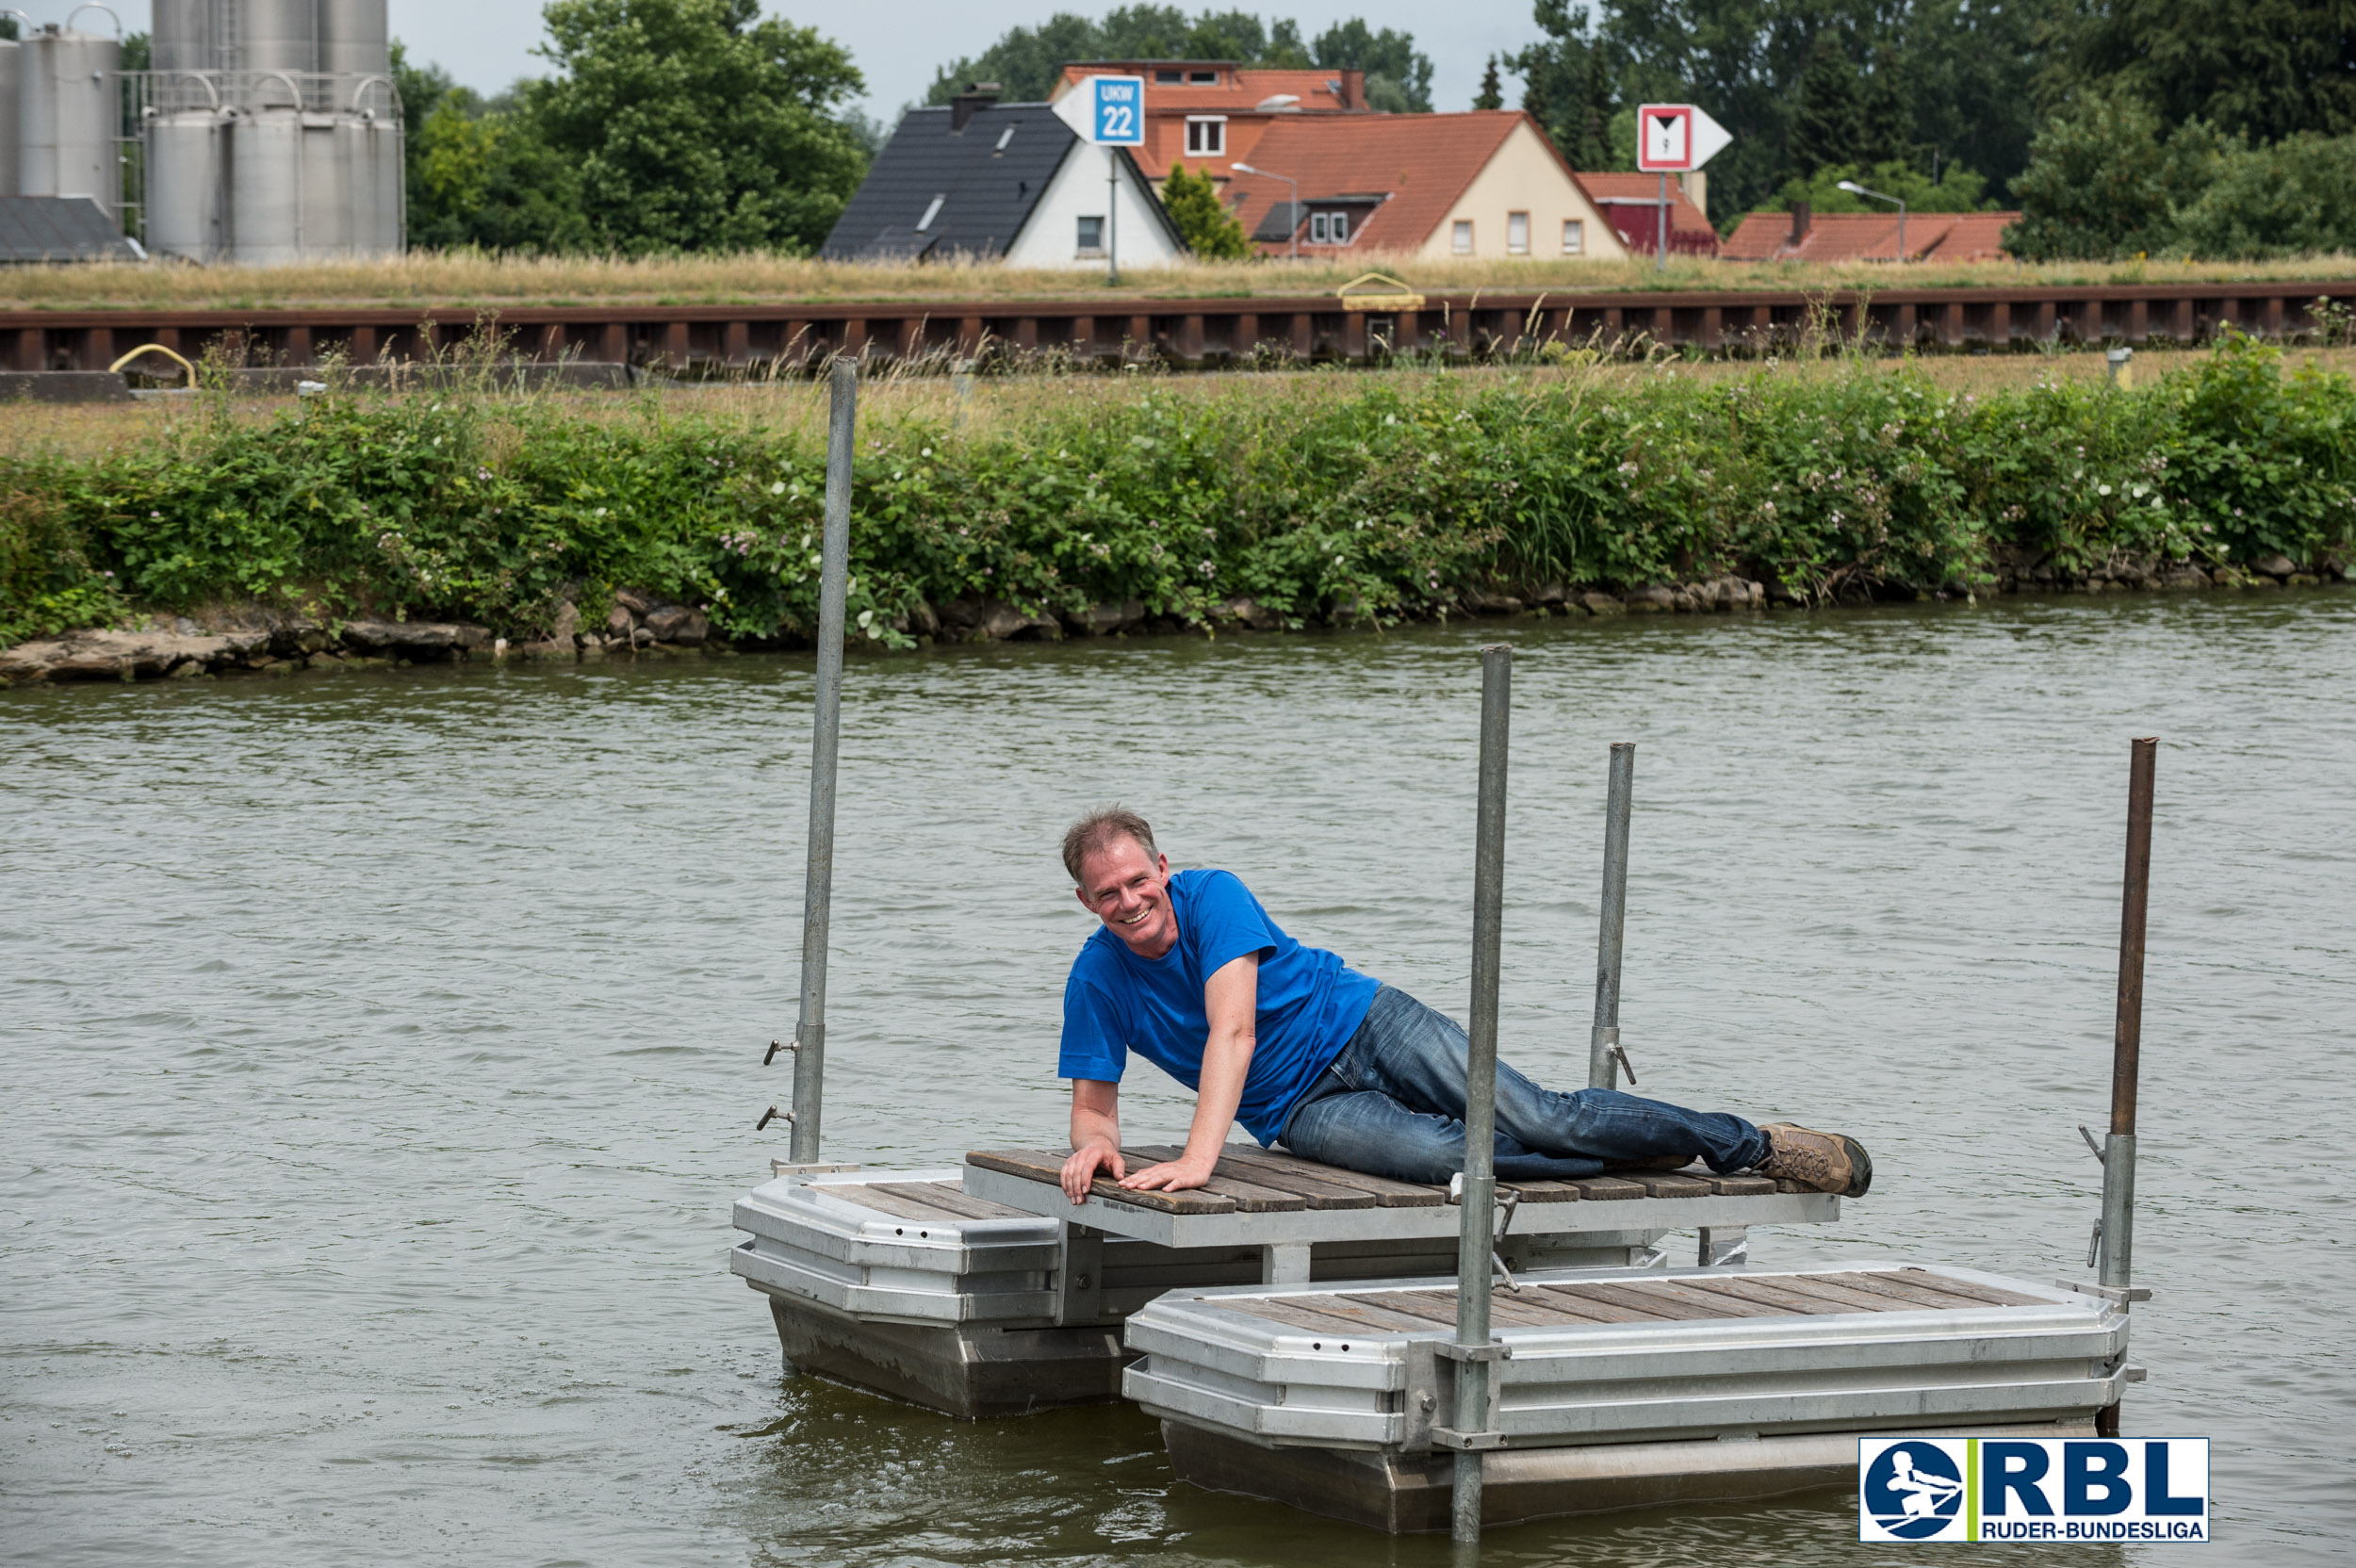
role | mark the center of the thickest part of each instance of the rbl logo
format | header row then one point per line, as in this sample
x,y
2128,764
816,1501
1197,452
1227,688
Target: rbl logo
x,y
2033,1489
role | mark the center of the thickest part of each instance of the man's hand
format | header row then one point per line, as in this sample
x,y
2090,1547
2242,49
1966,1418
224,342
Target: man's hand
x,y
1079,1173
1170,1176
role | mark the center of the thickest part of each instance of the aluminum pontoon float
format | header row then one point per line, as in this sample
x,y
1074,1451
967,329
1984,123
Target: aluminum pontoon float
x,y
1613,1388
981,1292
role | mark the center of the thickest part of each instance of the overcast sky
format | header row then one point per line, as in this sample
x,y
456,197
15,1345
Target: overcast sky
x,y
899,43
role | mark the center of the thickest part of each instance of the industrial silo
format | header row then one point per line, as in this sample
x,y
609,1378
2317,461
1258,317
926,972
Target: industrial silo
x,y
278,34
285,110
265,188
355,39
185,184
9,50
68,107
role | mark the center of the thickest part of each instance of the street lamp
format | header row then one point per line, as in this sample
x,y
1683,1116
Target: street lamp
x,y
1292,203
1856,189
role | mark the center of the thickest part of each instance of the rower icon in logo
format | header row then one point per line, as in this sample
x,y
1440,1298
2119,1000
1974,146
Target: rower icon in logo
x,y
1913,1491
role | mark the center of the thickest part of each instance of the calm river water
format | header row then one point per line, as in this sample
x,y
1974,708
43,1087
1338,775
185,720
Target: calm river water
x,y
381,1051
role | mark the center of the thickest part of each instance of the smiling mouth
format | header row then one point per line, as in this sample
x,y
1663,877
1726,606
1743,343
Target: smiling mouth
x,y
1136,918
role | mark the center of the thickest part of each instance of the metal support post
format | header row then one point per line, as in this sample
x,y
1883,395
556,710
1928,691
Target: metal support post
x,y
1474,1370
1661,215
1112,215
809,1033
2117,1235
1604,1055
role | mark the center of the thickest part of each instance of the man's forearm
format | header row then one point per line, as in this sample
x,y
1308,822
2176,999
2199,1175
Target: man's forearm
x,y
1096,1128
1226,1063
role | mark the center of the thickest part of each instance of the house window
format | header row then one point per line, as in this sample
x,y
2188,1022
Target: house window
x,y
931,212
1207,136
1091,237
1169,78
1517,234
1204,78
1329,228
1574,237
1462,242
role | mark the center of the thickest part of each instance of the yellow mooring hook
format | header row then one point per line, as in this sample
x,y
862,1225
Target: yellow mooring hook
x,y
190,371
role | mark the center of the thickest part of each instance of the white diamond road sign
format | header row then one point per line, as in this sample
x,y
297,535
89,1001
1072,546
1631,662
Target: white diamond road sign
x,y
1107,110
1676,137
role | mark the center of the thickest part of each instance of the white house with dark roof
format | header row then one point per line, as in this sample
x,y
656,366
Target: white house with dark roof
x,y
1004,181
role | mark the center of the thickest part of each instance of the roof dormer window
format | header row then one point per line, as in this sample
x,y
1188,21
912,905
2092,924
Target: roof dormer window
x,y
1203,78
1169,78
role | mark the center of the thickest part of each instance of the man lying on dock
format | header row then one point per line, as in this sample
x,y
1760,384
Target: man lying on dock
x,y
1189,973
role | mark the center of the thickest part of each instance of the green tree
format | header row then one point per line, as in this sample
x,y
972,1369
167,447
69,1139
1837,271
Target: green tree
x,y
2265,69
1398,76
1829,127
2287,199
480,175
695,125
2103,181
1492,94
1935,80
1957,189
420,88
1209,229
1026,62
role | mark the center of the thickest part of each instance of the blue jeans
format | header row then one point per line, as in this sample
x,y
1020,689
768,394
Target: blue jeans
x,y
1393,1105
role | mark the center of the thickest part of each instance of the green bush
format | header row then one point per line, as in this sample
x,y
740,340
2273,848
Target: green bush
x,y
1373,500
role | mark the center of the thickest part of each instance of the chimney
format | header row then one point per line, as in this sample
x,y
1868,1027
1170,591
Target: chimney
x,y
1353,89
1800,220
1697,186
976,96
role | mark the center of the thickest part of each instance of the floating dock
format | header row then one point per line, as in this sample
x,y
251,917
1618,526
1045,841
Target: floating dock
x,y
981,1291
1613,1389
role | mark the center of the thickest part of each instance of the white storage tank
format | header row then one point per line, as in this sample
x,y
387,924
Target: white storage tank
x,y
278,34
372,165
10,52
266,194
355,39
182,36
183,184
66,117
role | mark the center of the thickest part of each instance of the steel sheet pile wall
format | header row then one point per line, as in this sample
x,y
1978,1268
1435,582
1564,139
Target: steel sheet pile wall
x,y
273,132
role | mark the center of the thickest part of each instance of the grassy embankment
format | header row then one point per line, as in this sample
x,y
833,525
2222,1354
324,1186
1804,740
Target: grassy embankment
x,y
461,278
1321,495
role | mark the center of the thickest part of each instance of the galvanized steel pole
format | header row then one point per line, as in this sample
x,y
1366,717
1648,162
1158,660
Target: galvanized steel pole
x,y
1476,1241
809,1033
1603,1044
2118,1149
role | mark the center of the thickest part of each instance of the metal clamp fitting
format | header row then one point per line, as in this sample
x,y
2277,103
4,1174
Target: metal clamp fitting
x,y
1471,1443
2120,1293
770,1115
1447,1349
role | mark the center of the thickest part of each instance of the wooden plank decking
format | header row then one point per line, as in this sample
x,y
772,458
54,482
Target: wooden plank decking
x,y
1683,1300
1263,1181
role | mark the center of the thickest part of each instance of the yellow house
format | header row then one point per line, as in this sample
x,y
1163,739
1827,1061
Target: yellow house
x,y
1431,186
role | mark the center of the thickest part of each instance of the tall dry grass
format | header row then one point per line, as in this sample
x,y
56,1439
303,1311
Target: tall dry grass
x,y
473,278
989,405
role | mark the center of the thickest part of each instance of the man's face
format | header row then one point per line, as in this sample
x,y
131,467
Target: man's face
x,y
1129,891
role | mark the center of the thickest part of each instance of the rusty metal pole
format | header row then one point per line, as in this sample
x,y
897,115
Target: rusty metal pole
x,y
1474,1353
2117,1236
809,1033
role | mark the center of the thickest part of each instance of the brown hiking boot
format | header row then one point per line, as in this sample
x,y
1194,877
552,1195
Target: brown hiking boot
x,y
1827,1161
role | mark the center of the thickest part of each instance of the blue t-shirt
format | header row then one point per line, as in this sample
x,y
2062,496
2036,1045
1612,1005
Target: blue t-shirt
x,y
1310,1001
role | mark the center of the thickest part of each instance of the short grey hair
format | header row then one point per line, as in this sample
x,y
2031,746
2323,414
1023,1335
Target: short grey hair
x,y
1098,829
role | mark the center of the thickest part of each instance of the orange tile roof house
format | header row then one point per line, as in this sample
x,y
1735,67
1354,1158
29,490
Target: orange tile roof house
x,y
1631,205
1210,114
1800,236
1486,182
